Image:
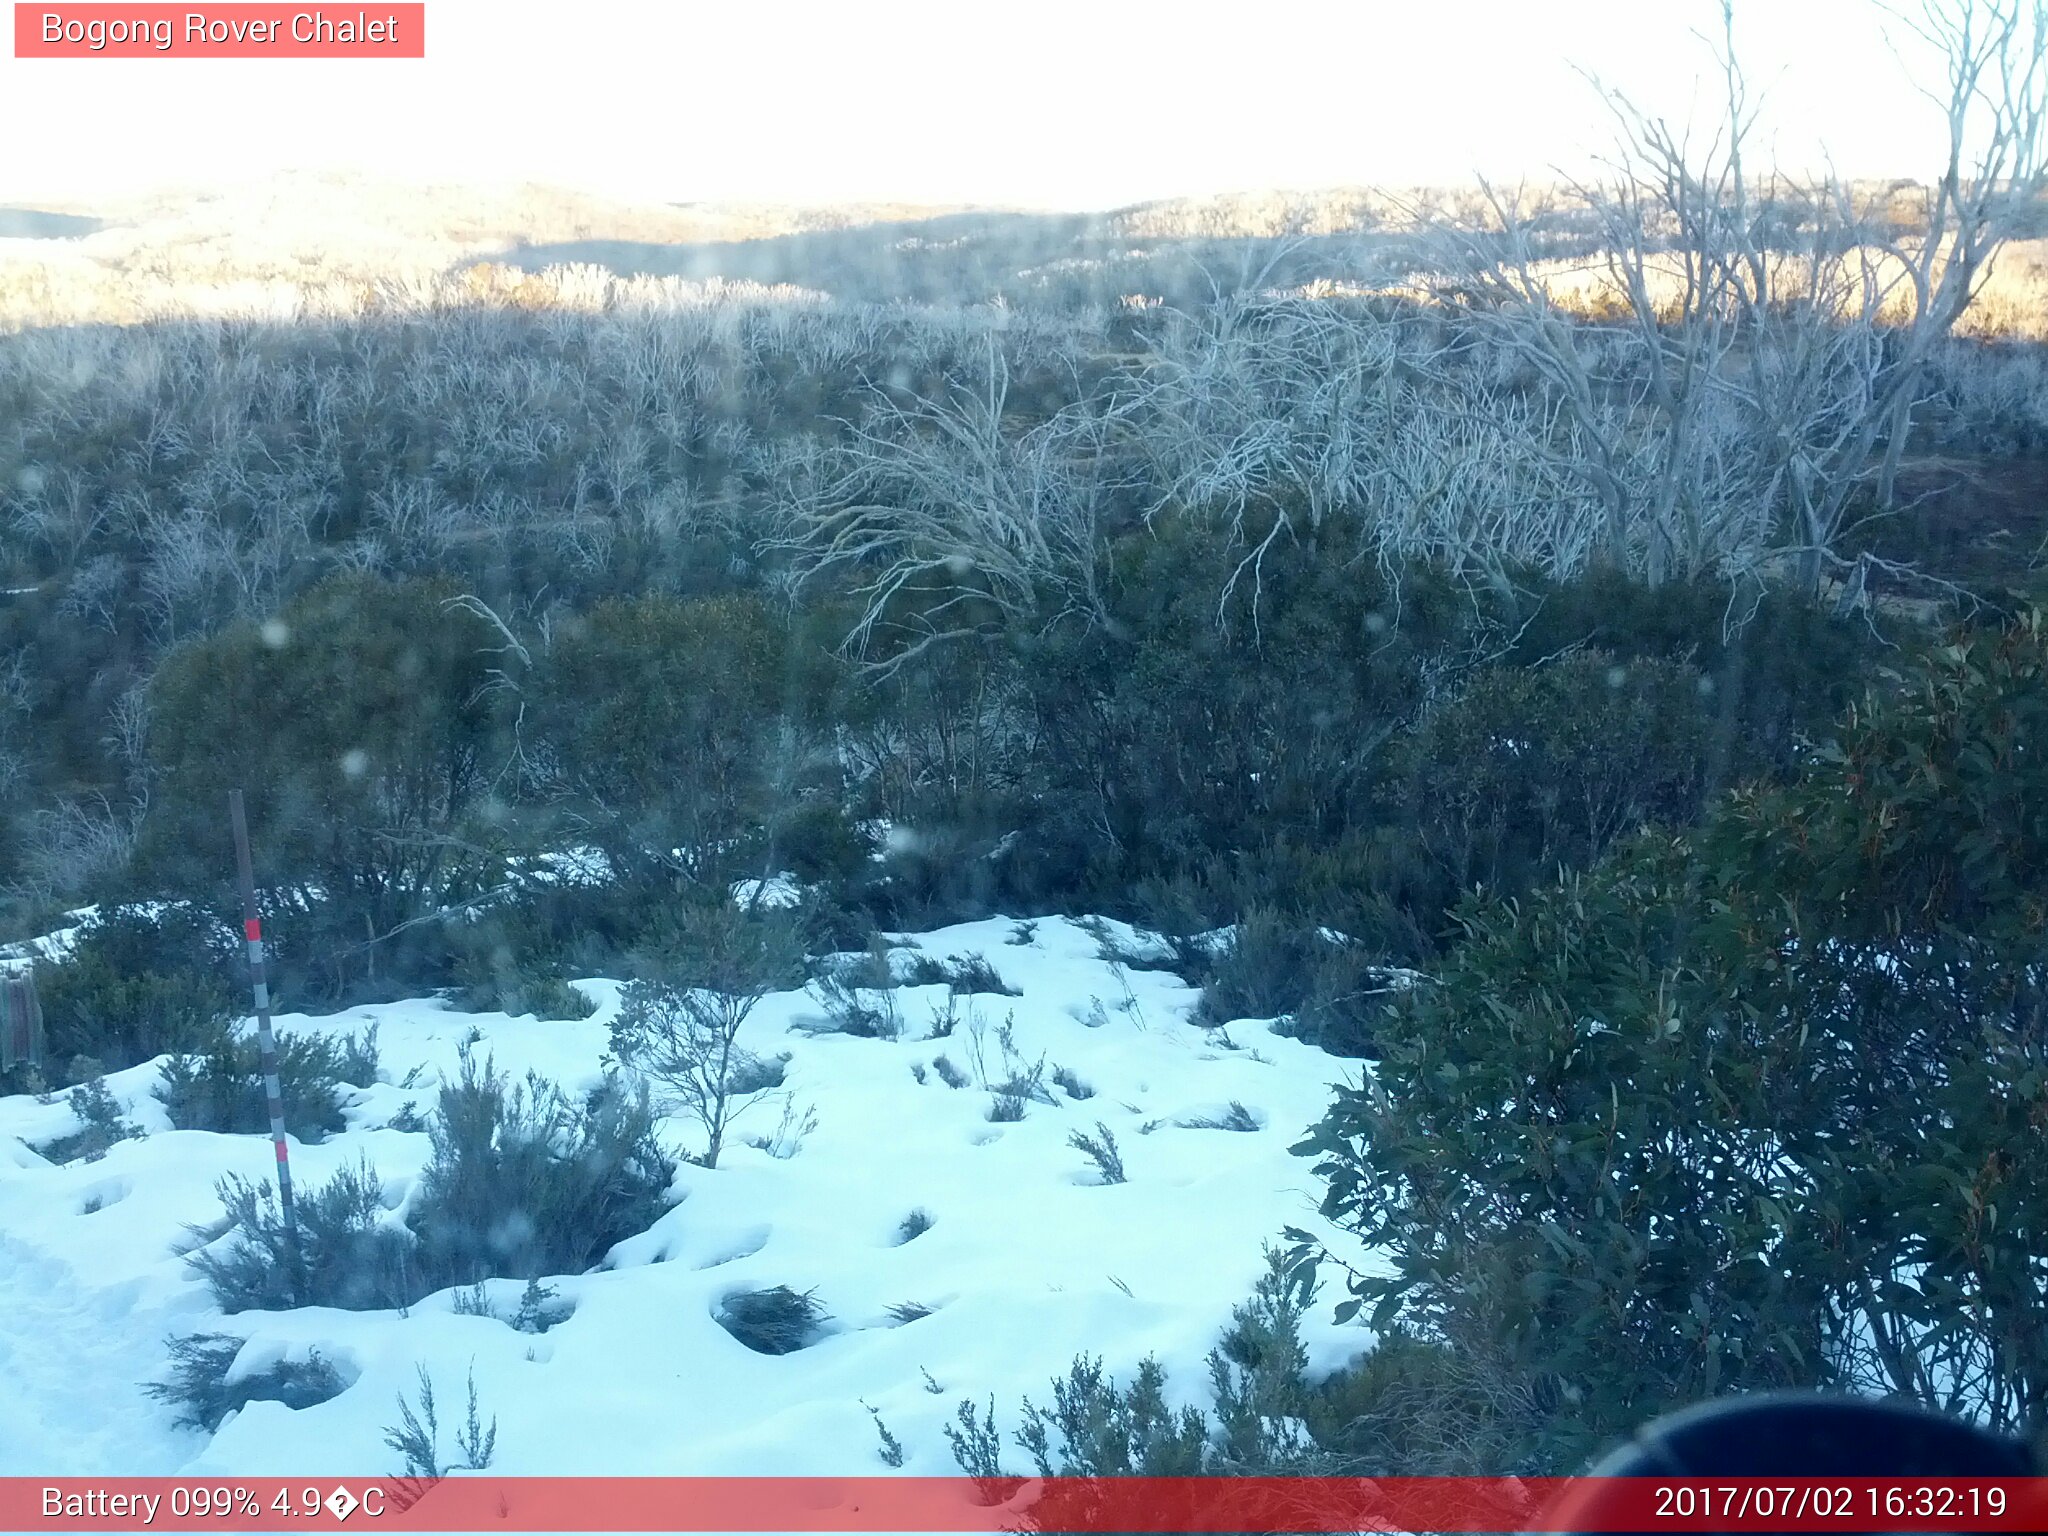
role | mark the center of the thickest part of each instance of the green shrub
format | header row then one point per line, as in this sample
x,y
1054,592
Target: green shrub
x,y
571,923
680,1026
1527,769
1781,666
715,946
1324,985
1637,1143
1413,1408
1095,1429
370,743
522,1183
221,1089
817,841
489,978
669,721
137,984
99,1125
346,1253
203,1395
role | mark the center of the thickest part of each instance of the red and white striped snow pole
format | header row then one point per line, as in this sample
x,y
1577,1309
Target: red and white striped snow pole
x,y
273,1095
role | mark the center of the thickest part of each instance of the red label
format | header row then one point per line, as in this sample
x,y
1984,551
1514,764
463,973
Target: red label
x,y
233,31
252,929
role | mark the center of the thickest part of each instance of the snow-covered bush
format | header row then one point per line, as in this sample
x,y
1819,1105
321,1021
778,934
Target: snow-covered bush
x,y
1101,1148
869,1013
521,1184
204,1390
344,1252
913,1226
963,975
775,1321
100,1125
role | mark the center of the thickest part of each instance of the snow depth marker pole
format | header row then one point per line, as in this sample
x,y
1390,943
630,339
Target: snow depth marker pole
x,y
273,1096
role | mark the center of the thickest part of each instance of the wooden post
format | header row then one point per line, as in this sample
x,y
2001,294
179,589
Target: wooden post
x,y
21,1021
273,1095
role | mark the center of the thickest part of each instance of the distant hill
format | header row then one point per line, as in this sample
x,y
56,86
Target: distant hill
x,y
274,245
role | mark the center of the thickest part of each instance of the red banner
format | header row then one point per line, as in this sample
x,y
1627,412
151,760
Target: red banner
x,y
920,1504
227,31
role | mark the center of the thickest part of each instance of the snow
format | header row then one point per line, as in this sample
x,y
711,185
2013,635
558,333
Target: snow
x,y
1029,1258
49,946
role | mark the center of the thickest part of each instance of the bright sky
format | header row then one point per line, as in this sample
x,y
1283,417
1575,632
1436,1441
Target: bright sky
x,y
1050,103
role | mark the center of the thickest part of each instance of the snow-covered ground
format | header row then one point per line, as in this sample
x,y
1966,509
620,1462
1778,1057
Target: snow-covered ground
x,y
1029,1258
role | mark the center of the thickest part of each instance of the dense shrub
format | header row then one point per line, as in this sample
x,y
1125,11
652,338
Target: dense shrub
x,y
816,840
490,977
1188,731
1413,1408
359,721
204,1389
1637,1143
1781,667
718,946
1526,770
554,925
221,1088
523,1183
1325,986
682,730
1263,968
931,873
137,983
345,1252
1363,749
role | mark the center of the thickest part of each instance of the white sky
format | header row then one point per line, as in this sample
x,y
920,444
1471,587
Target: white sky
x,y
1050,103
